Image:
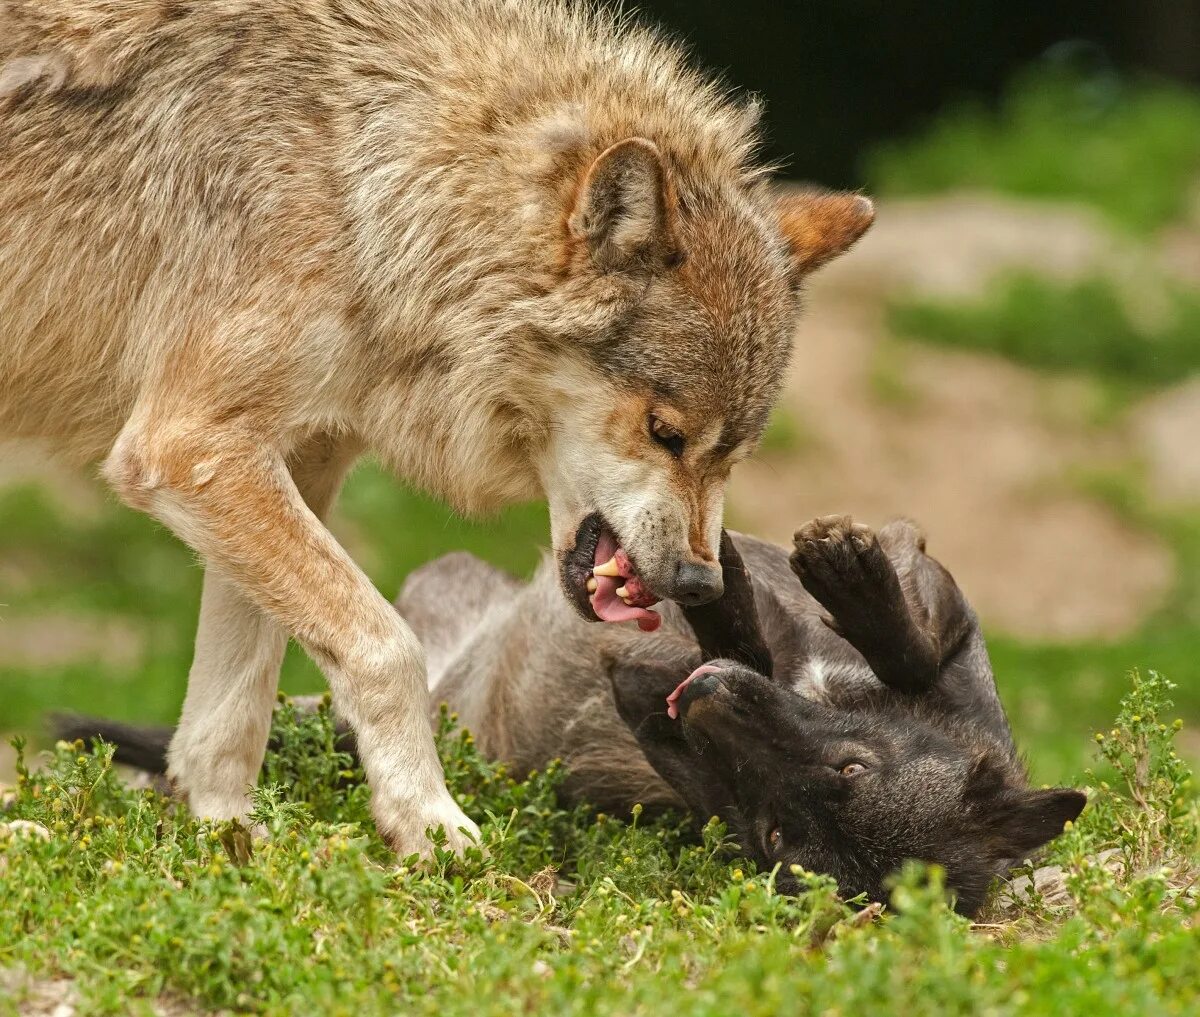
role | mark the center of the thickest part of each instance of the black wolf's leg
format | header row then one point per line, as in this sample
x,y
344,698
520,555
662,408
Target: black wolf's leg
x,y
729,627
842,564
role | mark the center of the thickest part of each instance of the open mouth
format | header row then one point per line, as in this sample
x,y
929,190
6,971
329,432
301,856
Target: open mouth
x,y
695,685
603,580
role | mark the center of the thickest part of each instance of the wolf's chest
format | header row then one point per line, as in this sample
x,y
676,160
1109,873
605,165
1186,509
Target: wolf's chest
x,y
829,680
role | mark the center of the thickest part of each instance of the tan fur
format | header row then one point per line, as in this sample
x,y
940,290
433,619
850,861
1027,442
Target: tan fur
x,y
243,240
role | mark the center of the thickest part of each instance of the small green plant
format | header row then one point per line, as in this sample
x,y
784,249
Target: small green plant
x,y
306,760
1142,805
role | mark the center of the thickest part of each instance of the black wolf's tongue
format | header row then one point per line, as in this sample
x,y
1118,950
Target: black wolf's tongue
x,y
605,602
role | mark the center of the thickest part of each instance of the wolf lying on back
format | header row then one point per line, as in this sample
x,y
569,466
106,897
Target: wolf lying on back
x,y
844,722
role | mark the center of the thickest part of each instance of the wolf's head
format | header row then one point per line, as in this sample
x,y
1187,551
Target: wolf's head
x,y
850,793
671,323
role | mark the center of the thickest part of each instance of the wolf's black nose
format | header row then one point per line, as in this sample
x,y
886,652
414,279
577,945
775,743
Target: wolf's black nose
x,y
697,584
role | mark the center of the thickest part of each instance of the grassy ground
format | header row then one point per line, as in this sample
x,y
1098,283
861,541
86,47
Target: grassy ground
x,y
133,902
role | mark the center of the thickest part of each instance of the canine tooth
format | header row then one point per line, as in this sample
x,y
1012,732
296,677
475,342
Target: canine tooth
x,y
623,592
591,585
609,568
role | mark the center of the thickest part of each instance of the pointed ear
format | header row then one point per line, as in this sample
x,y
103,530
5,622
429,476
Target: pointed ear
x,y
640,689
623,210
818,226
1023,824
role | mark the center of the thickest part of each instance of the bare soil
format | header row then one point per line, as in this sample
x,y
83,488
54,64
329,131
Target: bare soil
x,y
977,450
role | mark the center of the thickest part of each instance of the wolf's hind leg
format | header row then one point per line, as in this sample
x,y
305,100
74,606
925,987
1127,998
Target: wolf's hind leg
x,y
842,564
218,747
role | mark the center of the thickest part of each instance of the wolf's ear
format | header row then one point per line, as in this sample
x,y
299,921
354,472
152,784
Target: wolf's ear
x,y
1023,824
640,689
818,226
624,211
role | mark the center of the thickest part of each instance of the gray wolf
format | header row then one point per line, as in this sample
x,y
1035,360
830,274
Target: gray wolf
x,y
514,248
836,709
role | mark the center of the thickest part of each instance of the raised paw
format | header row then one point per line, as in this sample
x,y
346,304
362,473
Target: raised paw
x,y
841,563
406,826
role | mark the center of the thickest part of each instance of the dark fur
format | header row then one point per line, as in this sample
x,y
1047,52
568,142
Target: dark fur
x,y
856,649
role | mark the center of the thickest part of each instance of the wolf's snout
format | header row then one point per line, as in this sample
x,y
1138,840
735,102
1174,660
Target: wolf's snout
x,y
697,583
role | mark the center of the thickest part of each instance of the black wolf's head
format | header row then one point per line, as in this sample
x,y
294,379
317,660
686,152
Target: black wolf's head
x,y
850,793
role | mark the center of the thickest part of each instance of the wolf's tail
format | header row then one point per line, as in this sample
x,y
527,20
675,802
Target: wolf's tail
x,y
142,747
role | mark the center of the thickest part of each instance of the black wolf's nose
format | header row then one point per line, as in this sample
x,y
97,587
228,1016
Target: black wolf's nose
x,y
697,584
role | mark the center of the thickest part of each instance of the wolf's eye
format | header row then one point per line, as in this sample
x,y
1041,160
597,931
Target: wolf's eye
x,y
666,436
850,769
775,837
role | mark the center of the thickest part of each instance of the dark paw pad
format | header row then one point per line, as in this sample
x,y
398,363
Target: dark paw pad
x,y
841,563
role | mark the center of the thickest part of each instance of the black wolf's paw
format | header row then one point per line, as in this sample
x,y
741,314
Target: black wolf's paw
x,y
841,563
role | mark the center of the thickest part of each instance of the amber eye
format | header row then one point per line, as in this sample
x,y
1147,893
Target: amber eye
x,y
774,837
850,769
666,436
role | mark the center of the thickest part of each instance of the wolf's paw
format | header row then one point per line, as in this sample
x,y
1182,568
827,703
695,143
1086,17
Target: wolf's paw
x,y
406,825
841,563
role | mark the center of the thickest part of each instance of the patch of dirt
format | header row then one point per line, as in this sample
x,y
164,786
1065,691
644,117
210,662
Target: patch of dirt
x,y
973,448
56,997
51,640
1168,427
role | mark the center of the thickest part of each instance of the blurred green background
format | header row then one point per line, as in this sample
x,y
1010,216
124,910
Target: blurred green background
x,y
1011,358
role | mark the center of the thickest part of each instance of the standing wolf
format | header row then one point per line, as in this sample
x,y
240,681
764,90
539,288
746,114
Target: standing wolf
x,y
514,247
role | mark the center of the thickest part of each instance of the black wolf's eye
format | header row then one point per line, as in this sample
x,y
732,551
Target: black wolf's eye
x,y
775,837
850,769
666,436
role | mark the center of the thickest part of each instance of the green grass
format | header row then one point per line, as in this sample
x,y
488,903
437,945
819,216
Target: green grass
x,y
1081,327
1133,151
570,912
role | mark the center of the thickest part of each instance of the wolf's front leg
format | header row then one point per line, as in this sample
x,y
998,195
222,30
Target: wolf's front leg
x,y
228,492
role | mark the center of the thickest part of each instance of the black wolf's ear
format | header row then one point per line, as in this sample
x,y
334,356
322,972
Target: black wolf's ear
x,y
624,209
818,226
1023,824
640,690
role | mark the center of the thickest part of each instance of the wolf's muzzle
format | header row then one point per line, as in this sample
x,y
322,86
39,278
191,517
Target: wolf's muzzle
x,y
696,583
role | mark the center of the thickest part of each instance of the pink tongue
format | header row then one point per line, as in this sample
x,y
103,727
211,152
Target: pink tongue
x,y
605,602
673,698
